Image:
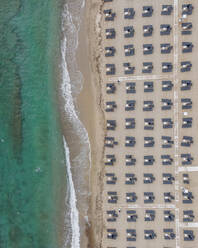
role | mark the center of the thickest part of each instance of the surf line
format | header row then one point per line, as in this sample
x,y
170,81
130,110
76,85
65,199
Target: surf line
x,y
74,214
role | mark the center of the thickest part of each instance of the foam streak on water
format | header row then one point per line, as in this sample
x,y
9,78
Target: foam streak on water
x,y
78,168
74,215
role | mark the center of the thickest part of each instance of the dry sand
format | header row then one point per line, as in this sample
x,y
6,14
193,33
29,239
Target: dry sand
x,y
91,104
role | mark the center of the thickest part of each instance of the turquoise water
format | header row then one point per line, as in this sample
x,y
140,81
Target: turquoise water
x,y
32,167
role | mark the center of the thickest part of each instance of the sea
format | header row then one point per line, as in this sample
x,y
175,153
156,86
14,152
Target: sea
x,y
44,147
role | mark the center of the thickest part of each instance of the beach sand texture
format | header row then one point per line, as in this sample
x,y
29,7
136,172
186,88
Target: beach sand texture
x,y
94,98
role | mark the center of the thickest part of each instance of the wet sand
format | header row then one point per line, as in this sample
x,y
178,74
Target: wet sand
x,y
92,116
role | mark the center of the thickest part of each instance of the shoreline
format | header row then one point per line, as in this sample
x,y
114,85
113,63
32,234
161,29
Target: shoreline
x,y
74,131
83,118
89,104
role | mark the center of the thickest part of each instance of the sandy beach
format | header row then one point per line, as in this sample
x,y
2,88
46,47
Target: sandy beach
x,y
92,116
92,104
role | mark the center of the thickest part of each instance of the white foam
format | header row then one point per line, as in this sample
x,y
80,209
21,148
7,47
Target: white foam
x,y
76,187
66,86
74,215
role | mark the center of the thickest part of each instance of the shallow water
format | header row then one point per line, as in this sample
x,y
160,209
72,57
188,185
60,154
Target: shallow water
x,y
32,164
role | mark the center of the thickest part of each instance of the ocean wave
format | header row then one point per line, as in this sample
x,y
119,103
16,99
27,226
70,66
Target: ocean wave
x,y
66,87
74,214
78,168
